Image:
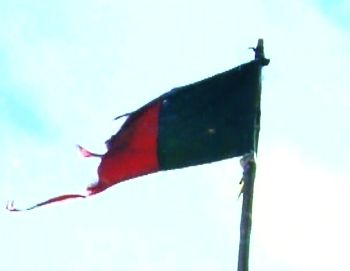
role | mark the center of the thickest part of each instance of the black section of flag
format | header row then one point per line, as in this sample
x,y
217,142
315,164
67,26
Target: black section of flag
x,y
210,120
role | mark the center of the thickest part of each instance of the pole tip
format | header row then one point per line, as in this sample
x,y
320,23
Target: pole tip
x,y
259,53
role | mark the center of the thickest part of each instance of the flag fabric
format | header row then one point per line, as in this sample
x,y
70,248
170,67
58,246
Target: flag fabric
x,y
204,122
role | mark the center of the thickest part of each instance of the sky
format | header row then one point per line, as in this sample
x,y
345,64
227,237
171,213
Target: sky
x,y
67,68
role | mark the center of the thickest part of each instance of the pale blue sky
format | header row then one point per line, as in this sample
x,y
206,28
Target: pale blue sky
x,y
67,68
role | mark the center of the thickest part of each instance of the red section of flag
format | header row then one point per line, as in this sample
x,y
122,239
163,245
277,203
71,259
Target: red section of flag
x,y
84,152
11,207
132,152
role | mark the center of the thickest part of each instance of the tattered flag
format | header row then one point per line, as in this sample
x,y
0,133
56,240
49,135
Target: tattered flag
x,y
204,122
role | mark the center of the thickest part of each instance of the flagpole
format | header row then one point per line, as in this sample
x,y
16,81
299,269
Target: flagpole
x,y
249,169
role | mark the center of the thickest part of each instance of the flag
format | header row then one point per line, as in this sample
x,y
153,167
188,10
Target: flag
x,y
207,121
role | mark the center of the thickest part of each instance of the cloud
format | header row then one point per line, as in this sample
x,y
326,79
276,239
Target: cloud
x,y
299,210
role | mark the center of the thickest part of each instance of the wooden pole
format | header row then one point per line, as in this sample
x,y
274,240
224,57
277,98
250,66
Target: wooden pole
x,y
249,169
